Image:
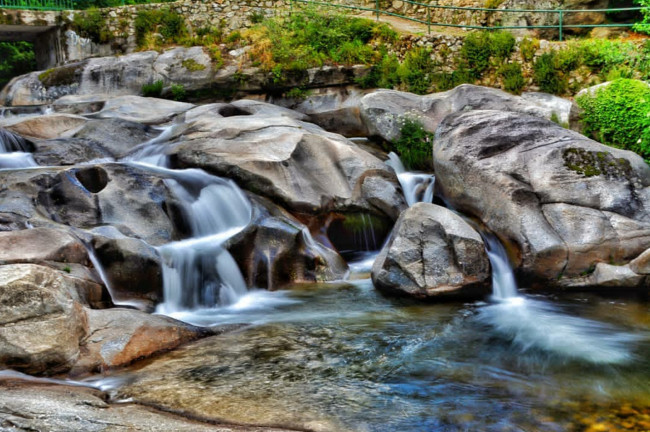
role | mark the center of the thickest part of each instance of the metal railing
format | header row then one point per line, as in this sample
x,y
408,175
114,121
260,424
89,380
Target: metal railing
x,y
560,26
52,5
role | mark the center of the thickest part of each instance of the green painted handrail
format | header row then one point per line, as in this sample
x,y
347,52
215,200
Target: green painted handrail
x,y
53,5
377,11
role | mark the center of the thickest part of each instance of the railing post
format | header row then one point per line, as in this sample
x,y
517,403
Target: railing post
x,y
561,19
429,19
377,8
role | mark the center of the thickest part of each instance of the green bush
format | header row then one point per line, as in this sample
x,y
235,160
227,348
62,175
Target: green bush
x,y
528,47
383,75
16,58
462,75
481,46
415,146
619,115
568,59
547,75
644,25
177,92
170,25
153,90
476,52
513,78
502,43
416,73
311,39
92,25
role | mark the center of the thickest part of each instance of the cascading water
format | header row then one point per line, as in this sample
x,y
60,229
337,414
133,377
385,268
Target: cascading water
x,y
538,325
199,272
417,187
14,151
199,275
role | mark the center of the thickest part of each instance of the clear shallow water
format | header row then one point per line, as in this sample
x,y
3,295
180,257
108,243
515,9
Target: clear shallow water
x,y
342,357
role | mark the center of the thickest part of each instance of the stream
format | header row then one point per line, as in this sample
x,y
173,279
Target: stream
x,y
341,357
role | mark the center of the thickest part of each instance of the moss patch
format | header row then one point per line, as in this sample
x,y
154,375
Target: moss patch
x,y
192,65
64,75
590,163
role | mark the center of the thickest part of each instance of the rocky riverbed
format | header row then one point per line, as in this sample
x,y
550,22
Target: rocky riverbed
x,y
239,223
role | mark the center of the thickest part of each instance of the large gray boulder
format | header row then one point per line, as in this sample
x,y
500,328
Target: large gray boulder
x,y
295,164
334,109
563,201
132,199
40,323
383,111
132,267
432,253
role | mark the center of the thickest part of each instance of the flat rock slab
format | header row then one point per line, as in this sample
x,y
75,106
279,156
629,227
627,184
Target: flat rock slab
x,y
141,109
46,126
118,337
27,406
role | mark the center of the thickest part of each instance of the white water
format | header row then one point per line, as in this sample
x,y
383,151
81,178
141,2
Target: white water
x,y
417,187
14,152
198,273
537,325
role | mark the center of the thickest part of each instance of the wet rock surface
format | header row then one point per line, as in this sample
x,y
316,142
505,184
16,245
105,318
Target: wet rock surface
x,y
40,322
432,252
564,201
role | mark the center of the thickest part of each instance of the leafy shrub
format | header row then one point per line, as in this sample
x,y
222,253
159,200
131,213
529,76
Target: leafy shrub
x,y
619,115
462,75
170,25
603,54
479,47
502,43
17,58
547,75
310,39
476,52
92,25
415,146
177,92
528,47
513,78
416,73
568,59
257,16
383,75
153,90
644,25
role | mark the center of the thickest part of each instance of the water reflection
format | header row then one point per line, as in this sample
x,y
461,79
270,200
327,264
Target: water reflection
x,y
341,357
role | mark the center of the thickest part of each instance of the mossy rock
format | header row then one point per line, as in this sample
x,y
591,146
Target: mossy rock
x,y
64,75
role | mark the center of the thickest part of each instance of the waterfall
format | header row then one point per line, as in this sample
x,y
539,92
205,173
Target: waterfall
x,y
417,187
199,272
504,285
533,324
14,151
